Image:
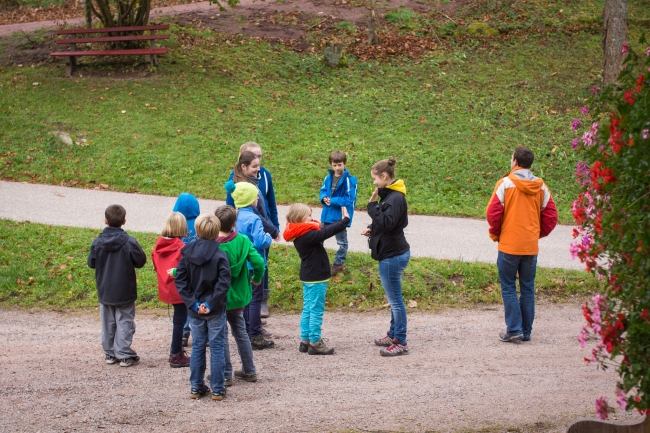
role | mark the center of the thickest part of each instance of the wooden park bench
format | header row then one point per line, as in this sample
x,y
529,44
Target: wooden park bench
x,y
148,53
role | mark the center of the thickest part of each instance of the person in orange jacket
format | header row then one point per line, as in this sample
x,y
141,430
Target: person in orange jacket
x,y
520,212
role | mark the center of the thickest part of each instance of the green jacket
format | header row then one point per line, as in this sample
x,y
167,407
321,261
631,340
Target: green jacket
x,y
239,251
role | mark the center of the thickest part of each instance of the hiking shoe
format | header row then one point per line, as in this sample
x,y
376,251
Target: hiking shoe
x,y
266,334
320,348
110,359
197,393
186,339
227,381
395,349
264,310
304,346
179,360
218,395
130,362
259,343
247,377
525,338
263,322
510,338
384,341
337,269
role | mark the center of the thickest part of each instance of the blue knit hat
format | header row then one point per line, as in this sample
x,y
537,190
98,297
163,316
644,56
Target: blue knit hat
x,y
243,193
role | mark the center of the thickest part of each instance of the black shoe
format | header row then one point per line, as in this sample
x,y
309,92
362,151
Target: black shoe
x,y
510,338
197,393
304,346
186,340
109,359
247,377
259,343
130,362
219,395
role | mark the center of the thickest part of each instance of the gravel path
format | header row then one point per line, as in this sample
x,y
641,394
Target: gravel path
x,y
458,377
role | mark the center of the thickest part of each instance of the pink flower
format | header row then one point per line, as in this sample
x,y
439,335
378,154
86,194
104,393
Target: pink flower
x,y
585,110
602,408
589,137
576,124
582,338
625,49
594,89
645,134
575,143
620,399
574,249
647,51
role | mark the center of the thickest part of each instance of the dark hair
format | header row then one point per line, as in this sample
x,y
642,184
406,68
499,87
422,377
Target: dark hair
x,y
115,215
338,156
385,166
524,157
246,158
227,217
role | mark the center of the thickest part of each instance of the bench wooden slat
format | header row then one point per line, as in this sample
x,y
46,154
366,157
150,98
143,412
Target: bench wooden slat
x,y
111,29
111,39
137,52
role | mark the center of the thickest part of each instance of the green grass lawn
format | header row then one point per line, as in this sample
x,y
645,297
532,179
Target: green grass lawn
x,y
44,267
451,119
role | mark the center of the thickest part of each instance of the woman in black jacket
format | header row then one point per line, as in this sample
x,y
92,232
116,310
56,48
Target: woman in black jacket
x,y
388,245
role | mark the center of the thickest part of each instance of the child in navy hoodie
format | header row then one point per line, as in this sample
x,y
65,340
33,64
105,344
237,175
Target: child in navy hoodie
x,y
203,280
114,255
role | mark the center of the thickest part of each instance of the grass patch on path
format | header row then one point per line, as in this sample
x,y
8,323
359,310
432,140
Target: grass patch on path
x,y
44,267
452,119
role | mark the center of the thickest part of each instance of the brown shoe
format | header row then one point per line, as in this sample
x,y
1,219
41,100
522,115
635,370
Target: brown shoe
x,y
266,334
247,377
178,360
320,348
336,269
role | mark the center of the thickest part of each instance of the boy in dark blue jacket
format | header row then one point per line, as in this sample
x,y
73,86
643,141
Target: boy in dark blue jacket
x,y
203,280
114,255
339,190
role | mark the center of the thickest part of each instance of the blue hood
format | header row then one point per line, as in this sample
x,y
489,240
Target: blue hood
x,y
188,205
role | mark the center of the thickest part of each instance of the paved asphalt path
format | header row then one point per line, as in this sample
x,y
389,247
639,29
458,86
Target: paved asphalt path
x,y
429,236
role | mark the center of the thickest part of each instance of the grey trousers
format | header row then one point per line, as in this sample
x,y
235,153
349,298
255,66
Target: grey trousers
x,y
118,327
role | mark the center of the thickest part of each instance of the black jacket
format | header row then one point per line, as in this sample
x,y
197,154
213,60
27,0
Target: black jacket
x,y
114,255
389,217
203,276
314,263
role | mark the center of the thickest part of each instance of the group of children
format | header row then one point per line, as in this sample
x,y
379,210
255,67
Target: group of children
x,y
213,268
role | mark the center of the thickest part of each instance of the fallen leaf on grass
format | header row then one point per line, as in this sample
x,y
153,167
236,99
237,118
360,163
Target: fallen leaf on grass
x,y
278,285
413,304
488,288
69,277
63,266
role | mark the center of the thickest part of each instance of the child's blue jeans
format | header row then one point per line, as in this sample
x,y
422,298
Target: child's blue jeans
x,y
390,273
208,330
313,309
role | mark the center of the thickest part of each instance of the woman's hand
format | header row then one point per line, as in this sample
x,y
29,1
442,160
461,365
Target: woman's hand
x,y
365,232
344,212
375,193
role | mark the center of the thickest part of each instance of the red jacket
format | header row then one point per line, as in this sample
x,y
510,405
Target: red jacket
x,y
520,212
165,255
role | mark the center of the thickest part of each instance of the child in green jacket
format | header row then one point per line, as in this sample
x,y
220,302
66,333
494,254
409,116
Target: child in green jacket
x,y
240,250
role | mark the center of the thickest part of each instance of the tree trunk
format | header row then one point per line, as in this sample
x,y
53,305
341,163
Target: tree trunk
x,y
614,34
373,25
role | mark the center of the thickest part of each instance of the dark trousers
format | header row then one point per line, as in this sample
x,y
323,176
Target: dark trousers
x,y
252,311
178,321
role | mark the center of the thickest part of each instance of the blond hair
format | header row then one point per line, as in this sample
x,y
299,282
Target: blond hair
x,y
175,226
207,226
298,212
248,146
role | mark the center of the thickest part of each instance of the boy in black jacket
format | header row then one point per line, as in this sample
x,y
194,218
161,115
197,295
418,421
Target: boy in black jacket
x,y
307,236
203,280
114,255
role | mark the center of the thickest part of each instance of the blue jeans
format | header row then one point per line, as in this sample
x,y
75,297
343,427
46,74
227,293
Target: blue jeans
x,y
313,308
238,329
186,328
252,311
390,274
342,242
519,313
212,330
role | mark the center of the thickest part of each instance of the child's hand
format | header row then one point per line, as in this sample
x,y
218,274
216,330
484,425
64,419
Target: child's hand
x,y
326,200
374,195
344,212
255,283
170,272
365,232
203,309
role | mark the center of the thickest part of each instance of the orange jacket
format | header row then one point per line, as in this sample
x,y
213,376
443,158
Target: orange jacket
x,y
520,212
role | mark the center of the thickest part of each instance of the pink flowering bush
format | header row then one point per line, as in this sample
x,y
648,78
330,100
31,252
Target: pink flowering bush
x,y
613,237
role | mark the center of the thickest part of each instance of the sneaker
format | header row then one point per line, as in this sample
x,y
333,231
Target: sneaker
x,y
186,339
219,395
197,393
179,360
510,338
266,334
337,269
258,343
247,377
320,348
227,381
110,359
130,362
384,341
304,346
525,338
395,349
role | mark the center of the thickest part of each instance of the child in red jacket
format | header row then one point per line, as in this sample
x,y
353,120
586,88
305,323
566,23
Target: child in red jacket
x,y
166,255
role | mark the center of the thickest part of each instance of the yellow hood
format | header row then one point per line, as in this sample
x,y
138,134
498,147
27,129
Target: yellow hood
x,y
398,185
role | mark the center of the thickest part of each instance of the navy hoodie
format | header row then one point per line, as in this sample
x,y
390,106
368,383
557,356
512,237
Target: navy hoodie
x,y
203,277
114,255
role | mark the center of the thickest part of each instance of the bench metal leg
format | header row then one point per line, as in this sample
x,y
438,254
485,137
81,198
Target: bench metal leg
x,y
70,63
